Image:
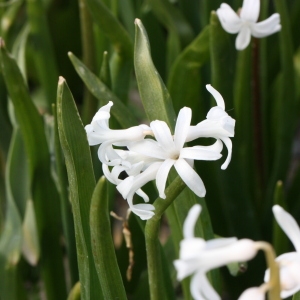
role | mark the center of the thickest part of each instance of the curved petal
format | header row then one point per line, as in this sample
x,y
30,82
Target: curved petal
x,y
144,211
219,242
184,268
218,97
250,10
143,195
190,177
288,225
202,289
266,27
190,221
256,293
229,20
243,38
108,175
228,144
162,175
107,155
148,147
163,135
199,153
182,127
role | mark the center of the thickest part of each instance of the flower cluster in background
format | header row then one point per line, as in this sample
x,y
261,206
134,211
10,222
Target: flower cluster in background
x,y
145,159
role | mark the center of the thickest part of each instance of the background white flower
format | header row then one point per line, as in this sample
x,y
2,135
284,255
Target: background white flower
x,y
289,263
198,256
245,23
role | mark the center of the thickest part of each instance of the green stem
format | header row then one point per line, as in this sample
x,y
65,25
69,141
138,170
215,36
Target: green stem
x,y
156,282
88,50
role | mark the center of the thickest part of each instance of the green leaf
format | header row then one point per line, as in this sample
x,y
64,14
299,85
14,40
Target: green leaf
x,y
122,114
103,246
43,49
296,296
75,293
30,243
154,94
184,79
82,182
43,190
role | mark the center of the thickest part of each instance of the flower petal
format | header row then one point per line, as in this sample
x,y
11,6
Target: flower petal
x,y
199,153
228,144
148,147
250,10
190,221
243,38
190,177
182,127
162,175
201,288
219,242
256,293
144,211
229,20
163,135
266,27
288,225
218,97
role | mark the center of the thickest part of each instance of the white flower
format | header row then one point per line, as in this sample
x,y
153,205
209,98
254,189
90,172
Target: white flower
x,y
218,124
246,24
257,293
289,263
98,132
198,256
169,151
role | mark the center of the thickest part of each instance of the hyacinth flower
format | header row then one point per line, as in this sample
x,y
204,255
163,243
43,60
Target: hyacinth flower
x,y
245,24
146,159
198,256
289,263
218,124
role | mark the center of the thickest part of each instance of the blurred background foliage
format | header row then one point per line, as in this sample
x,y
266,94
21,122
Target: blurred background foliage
x,y
91,43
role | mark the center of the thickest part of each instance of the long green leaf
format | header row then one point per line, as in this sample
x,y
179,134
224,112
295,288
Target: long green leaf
x,y
119,110
102,245
155,96
81,184
43,190
184,79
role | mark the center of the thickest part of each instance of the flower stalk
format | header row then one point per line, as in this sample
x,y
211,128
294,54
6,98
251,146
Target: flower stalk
x,y
156,282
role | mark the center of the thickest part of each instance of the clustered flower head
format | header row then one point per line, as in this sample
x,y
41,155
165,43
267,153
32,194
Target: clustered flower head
x,y
245,24
144,159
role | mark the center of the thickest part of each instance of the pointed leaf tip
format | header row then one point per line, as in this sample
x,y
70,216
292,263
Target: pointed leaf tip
x,y
61,80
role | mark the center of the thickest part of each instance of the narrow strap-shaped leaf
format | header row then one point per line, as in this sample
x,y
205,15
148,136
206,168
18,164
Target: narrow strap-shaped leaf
x,y
81,184
184,79
154,94
75,292
119,110
103,246
43,190
105,75
43,49
11,236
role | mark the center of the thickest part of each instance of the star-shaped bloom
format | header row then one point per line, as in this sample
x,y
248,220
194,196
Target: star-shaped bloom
x,y
218,124
169,151
198,256
289,263
98,132
246,24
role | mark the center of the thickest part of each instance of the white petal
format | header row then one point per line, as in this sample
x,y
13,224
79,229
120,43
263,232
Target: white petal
x,y
218,97
107,155
243,38
190,221
108,175
148,147
228,143
230,21
199,153
250,10
143,195
288,225
190,177
144,211
191,248
163,135
266,27
256,293
162,175
220,242
202,289
184,268
182,127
